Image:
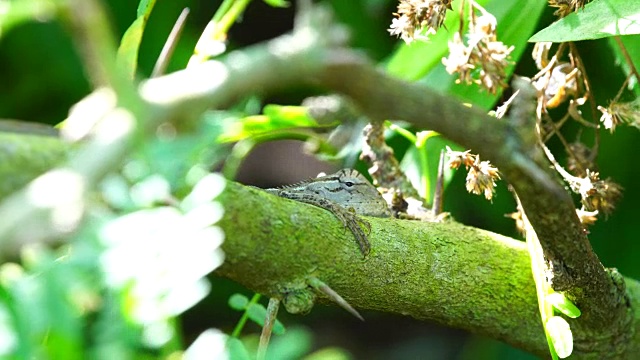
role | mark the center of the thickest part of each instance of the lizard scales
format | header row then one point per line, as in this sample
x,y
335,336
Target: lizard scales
x,y
346,194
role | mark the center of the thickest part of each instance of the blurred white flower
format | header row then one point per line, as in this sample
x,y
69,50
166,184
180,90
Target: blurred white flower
x,y
159,258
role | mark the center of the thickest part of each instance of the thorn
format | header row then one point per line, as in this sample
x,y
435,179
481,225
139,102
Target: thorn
x,y
325,289
269,321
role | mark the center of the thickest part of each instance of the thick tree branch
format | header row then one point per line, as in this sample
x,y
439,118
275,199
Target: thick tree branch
x,y
444,272
452,274
576,268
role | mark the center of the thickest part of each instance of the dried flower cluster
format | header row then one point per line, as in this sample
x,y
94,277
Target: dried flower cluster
x,y
484,59
566,7
618,113
481,177
415,15
580,160
597,195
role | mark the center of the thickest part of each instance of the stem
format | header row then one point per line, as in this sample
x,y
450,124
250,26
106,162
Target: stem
x,y
170,44
267,328
627,58
245,316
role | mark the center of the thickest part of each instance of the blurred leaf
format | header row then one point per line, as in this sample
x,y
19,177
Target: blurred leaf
x,y
238,302
275,117
45,314
278,3
598,19
145,7
561,336
562,304
258,313
290,346
173,156
330,353
23,157
130,43
632,46
16,12
237,350
420,165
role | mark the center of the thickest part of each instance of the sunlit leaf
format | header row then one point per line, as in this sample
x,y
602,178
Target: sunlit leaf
x,y
562,304
598,19
420,164
130,43
330,353
278,3
275,117
561,336
145,7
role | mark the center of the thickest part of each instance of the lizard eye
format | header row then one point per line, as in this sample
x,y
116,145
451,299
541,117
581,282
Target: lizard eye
x,y
349,184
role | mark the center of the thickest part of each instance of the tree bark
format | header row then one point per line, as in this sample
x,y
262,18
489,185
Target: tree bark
x,y
448,273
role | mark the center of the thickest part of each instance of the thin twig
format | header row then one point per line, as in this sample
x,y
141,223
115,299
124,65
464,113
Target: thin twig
x,y
438,194
592,101
627,58
170,45
267,328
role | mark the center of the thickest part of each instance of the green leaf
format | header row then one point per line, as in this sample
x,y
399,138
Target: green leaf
x,y
598,19
420,163
258,313
562,304
130,43
145,7
293,345
14,13
278,3
632,45
561,336
237,351
275,117
238,302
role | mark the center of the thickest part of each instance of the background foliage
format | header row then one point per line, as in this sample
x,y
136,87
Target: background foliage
x,y
40,79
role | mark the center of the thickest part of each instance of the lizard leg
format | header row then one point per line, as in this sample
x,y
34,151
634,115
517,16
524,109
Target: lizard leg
x,y
348,217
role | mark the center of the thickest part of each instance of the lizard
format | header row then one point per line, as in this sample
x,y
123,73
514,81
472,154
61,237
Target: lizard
x,y
346,194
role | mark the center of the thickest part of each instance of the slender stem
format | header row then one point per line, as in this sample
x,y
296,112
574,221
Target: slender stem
x,y
269,321
231,15
438,194
592,101
245,316
627,58
170,44
624,85
222,10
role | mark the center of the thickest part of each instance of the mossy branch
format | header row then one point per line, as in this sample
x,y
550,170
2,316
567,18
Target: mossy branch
x,y
449,273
